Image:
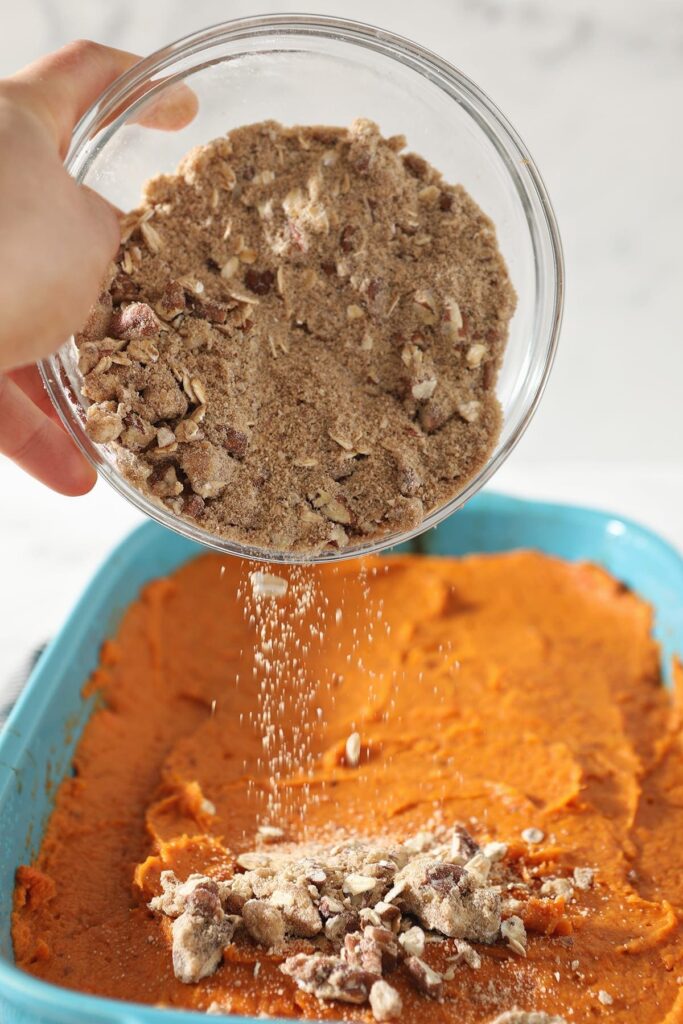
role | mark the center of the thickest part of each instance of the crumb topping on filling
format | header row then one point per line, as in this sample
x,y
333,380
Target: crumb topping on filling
x,y
366,909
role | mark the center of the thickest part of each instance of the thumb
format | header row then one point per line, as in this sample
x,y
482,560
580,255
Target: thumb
x,y
103,220
87,236
60,87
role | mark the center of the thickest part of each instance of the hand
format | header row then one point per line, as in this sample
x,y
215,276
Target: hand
x,y
56,241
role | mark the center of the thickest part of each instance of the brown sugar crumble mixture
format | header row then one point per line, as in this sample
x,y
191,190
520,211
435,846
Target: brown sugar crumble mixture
x,y
298,344
342,918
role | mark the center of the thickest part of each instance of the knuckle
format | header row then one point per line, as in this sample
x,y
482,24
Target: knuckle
x,y
78,54
82,48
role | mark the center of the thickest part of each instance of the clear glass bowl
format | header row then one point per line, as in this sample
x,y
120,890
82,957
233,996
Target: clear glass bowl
x,y
301,69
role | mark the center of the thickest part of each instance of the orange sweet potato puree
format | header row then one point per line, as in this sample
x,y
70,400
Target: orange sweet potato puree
x,y
502,691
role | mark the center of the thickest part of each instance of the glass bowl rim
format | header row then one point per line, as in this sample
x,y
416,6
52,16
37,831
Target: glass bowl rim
x,y
126,87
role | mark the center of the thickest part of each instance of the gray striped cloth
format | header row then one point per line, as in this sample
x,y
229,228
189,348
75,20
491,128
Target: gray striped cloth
x,y
11,687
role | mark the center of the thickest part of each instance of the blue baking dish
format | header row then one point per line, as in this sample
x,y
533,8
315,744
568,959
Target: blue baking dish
x,y
39,739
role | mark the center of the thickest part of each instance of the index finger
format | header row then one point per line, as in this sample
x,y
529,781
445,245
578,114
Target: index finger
x,y
61,86
39,445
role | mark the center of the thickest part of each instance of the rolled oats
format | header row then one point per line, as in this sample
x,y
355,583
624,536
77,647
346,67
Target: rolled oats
x,y
104,422
514,933
352,750
151,237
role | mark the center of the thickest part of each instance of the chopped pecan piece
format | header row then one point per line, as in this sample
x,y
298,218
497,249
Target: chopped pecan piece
x,y
340,924
210,309
463,845
386,941
364,952
259,282
165,483
389,916
200,930
330,907
235,441
124,289
416,165
194,506
328,977
96,355
137,320
467,954
174,894
346,238
470,411
356,884
424,978
442,877
171,301
332,507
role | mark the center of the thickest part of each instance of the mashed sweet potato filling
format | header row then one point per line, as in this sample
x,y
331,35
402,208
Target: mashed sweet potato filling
x,y
516,694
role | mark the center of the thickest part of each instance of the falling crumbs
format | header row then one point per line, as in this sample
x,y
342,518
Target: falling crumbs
x,y
298,344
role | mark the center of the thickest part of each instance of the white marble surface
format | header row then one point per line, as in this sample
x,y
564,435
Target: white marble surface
x,y
594,89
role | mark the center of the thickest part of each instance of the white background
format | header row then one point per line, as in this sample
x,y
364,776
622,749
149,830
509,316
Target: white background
x,y
596,91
